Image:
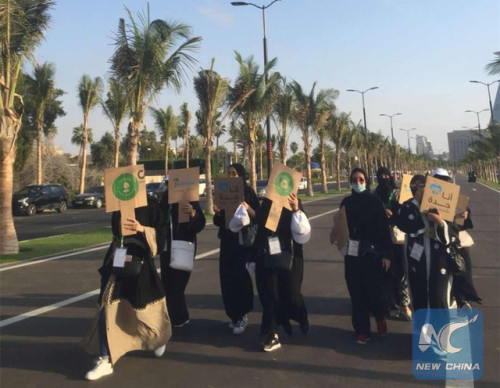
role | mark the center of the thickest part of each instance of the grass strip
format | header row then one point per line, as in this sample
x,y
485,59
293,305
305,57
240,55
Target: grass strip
x,y
491,184
46,246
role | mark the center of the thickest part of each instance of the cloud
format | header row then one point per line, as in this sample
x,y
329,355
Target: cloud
x,y
216,15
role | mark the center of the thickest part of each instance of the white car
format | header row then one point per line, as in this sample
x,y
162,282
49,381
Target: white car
x,y
203,187
303,183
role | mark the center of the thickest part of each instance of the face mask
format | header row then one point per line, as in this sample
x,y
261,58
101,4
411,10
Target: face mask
x,y
359,188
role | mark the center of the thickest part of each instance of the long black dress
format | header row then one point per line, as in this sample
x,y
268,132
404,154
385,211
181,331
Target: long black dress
x,y
235,281
175,280
364,274
280,290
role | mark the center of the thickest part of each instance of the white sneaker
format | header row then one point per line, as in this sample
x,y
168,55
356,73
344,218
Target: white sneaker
x,y
102,368
160,351
241,325
231,325
181,324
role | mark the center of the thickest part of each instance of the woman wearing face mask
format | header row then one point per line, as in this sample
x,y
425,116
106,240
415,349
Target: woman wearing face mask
x,y
236,283
367,255
397,300
426,247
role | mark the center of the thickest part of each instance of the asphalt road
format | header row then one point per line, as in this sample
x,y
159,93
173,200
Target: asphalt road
x,y
52,223
43,350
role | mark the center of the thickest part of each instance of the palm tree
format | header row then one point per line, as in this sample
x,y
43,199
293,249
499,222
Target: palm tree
x,y
493,67
294,147
233,133
260,138
211,90
283,113
145,60
89,95
311,113
338,127
185,118
77,138
42,91
166,123
253,97
22,27
114,108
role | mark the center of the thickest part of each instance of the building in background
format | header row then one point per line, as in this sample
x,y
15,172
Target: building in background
x,y
459,142
424,146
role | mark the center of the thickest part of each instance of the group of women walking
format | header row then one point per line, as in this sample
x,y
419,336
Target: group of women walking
x,y
138,308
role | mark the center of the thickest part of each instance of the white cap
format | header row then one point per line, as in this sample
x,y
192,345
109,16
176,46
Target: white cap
x,y
440,171
239,220
301,228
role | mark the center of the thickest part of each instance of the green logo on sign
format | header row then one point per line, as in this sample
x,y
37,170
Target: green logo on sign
x,y
283,183
125,187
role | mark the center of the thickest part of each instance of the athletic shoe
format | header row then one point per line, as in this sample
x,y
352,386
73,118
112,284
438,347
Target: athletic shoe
x,y
231,325
272,343
102,368
466,305
241,325
181,324
362,339
406,313
453,304
382,327
160,351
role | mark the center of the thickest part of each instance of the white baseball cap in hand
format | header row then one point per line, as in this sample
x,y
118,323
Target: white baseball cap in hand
x,y
239,220
301,228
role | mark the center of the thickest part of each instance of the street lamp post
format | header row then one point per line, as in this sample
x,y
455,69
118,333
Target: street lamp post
x,y
408,134
268,119
390,117
363,99
477,113
489,95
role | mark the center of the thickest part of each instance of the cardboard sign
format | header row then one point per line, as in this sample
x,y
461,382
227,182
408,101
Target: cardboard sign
x,y
463,202
442,196
405,192
183,187
125,190
228,194
341,228
282,182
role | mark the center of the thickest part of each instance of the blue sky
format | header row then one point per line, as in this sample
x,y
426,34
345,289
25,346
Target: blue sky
x,y
421,55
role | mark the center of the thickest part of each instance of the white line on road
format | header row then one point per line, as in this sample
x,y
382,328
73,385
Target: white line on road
x,y
488,187
43,310
66,226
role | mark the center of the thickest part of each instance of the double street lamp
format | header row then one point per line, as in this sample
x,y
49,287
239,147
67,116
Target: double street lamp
x,y
363,99
477,113
408,134
268,119
489,95
391,116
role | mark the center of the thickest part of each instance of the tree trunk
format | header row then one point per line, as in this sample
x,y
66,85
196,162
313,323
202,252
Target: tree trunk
x,y
39,142
310,192
133,142
260,161
81,190
235,152
209,207
8,144
167,146
117,146
324,187
251,154
186,146
283,145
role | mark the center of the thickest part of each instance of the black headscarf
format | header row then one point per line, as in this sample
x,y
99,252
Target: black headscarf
x,y
385,186
240,170
367,178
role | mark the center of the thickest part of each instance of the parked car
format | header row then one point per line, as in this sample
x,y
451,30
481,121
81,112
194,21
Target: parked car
x,y
203,187
93,197
303,183
36,198
261,187
155,190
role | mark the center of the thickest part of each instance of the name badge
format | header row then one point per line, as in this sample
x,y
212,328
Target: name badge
x,y
119,258
353,248
416,251
274,245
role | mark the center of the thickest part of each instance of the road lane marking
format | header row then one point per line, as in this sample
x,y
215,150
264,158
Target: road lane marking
x,y
488,187
53,258
66,226
78,298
